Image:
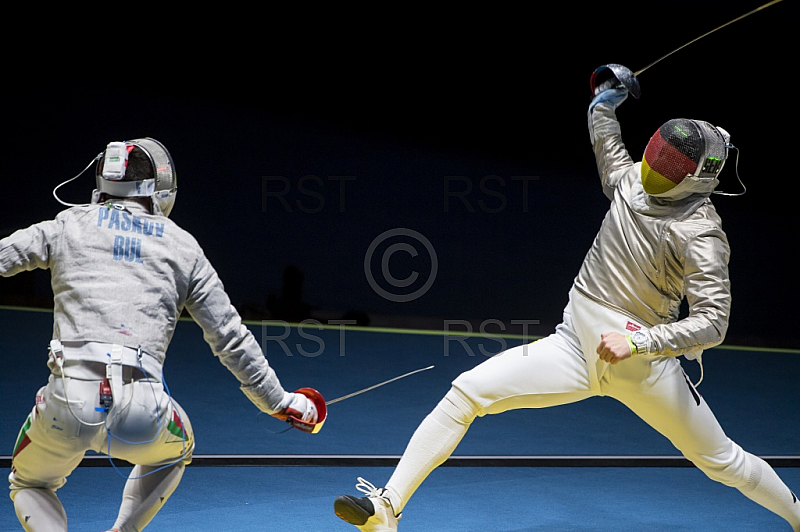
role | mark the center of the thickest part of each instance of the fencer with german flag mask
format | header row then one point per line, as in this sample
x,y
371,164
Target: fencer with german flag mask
x,y
621,334
121,273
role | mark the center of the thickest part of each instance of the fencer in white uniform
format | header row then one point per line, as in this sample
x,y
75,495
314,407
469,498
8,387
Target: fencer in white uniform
x,y
122,272
621,335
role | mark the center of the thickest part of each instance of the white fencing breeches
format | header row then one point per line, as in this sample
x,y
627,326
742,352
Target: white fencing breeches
x,y
144,427
564,368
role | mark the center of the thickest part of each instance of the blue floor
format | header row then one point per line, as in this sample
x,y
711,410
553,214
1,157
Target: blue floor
x,y
754,394
498,499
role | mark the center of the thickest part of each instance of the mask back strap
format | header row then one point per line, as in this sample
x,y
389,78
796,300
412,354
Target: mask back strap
x,y
744,188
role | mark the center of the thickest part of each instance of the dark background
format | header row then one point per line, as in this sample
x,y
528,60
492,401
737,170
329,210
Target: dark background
x,y
412,105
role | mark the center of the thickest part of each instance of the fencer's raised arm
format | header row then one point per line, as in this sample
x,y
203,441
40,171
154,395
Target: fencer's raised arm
x,y
606,137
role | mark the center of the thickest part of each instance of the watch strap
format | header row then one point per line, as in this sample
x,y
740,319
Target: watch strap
x,y
634,351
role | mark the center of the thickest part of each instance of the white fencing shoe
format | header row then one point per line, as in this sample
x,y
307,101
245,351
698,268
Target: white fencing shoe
x,y
372,513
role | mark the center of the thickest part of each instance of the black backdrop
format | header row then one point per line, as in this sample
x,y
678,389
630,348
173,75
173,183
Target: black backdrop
x,y
300,137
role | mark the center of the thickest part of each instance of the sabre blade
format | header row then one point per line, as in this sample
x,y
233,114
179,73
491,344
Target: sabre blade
x,y
359,392
707,33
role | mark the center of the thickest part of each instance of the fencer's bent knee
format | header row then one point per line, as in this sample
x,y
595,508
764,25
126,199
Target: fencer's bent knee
x,y
459,407
735,467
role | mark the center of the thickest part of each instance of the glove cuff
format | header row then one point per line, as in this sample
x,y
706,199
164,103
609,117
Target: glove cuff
x,y
614,97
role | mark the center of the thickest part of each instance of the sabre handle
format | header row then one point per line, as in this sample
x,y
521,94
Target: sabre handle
x,y
614,76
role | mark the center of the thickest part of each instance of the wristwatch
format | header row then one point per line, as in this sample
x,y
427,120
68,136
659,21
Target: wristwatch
x,y
640,341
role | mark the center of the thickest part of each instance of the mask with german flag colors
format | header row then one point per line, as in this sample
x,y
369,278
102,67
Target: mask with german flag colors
x,y
683,149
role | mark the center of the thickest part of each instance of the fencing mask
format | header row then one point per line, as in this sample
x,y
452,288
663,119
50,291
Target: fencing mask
x,y
684,149
137,168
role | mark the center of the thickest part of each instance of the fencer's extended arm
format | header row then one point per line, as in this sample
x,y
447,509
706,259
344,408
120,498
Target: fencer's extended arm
x,y
606,136
231,341
708,294
27,249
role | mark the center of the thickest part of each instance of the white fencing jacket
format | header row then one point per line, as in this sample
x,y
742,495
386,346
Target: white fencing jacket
x,y
121,275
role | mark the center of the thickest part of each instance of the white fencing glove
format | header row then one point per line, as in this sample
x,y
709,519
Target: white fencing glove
x,y
299,406
304,410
